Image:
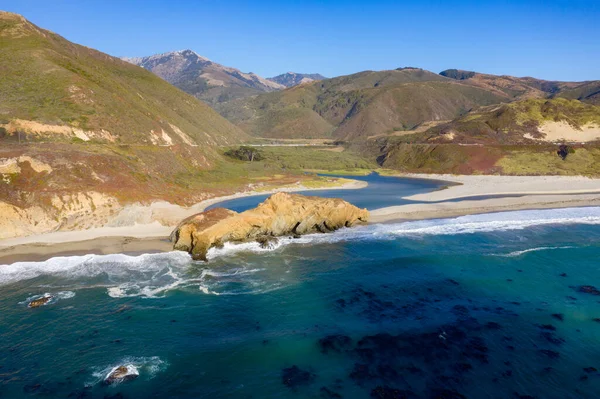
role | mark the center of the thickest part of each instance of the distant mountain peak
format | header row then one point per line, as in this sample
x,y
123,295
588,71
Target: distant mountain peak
x,y
187,55
290,79
204,78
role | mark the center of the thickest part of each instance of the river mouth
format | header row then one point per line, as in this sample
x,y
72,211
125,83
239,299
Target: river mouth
x,y
381,192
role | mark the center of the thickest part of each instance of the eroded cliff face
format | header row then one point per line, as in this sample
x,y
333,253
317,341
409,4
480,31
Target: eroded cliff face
x,y
75,211
281,214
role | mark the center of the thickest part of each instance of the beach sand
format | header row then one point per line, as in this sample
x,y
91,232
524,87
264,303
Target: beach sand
x,y
137,229
521,192
132,237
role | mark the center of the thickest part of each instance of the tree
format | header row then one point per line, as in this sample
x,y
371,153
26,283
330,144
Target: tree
x,y
245,153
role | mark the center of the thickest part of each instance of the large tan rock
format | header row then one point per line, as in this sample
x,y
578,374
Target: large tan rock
x,y
281,214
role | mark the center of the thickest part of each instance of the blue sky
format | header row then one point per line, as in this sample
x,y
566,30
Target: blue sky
x,y
550,39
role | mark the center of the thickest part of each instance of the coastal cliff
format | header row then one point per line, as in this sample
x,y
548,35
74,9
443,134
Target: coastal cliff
x,y
279,215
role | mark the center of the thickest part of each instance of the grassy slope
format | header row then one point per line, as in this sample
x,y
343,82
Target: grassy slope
x,y
51,80
513,88
507,124
495,142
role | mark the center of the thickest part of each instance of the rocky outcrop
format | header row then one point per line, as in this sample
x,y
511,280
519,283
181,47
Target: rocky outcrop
x,y
121,373
280,215
36,303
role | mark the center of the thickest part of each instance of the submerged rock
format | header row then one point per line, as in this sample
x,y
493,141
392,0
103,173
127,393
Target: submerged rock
x,y
267,242
36,303
335,343
588,289
281,214
294,377
386,392
121,373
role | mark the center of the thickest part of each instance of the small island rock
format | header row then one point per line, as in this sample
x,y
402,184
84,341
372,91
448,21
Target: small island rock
x,y
279,215
36,303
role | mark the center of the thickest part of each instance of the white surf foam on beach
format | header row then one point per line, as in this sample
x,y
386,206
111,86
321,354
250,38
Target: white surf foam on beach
x,y
153,275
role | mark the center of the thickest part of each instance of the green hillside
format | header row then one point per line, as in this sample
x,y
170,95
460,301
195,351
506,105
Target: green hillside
x,y
356,106
53,82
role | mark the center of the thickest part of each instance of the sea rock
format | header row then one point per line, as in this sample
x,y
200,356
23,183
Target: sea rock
x,y
294,377
122,373
281,214
588,289
36,303
267,242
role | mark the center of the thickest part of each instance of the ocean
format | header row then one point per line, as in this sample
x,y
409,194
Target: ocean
x,y
498,305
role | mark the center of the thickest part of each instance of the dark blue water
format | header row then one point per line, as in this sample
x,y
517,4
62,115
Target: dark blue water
x,y
382,191
486,306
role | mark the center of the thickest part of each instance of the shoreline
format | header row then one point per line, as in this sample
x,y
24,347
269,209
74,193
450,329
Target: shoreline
x,y
512,193
127,238
544,192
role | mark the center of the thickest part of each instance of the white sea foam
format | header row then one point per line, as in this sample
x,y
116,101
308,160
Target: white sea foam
x,y
519,253
54,297
146,367
153,275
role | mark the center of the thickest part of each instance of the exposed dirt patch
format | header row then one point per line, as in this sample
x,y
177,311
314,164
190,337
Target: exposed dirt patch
x,y
563,131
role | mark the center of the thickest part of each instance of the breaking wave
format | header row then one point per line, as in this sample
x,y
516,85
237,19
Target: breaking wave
x,y
525,251
147,367
153,275
54,297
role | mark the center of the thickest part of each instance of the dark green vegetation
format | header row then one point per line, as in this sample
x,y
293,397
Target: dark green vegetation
x,y
245,153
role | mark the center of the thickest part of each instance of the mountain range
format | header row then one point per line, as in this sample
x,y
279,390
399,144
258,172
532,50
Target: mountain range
x,y
378,103
212,82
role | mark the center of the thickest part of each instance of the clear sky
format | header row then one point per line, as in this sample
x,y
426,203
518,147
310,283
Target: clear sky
x,y
550,39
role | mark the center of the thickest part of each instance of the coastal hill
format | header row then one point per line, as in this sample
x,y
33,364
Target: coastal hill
x,y
203,78
521,137
357,106
522,122
291,79
82,132
55,90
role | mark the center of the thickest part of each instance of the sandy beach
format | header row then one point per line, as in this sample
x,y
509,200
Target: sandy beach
x,y
139,229
136,229
520,192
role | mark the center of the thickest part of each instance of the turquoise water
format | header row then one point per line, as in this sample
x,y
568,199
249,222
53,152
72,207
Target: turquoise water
x,y
382,191
485,306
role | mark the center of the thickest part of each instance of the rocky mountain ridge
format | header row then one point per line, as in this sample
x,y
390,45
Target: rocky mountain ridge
x,y
291,79
203,78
